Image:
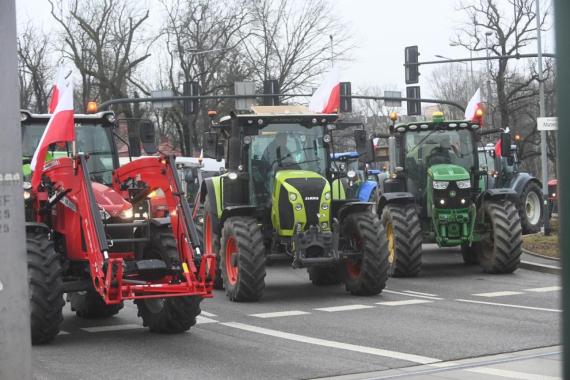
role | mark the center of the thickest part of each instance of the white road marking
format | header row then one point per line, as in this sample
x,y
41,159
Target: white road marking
x,y
497,294
510,305
546,289
420,293
333,344
128,326
510,374
411,295
332,309
61,332
206,314
402,303
278,314
201,320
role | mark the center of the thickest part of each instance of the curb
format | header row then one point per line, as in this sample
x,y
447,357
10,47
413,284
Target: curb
x,y
554,259
540,267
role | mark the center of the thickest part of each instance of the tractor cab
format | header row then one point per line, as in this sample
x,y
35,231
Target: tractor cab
x,y
360,181
279,173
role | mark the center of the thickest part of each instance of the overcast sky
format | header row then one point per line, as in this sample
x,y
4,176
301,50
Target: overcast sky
x,y
381,30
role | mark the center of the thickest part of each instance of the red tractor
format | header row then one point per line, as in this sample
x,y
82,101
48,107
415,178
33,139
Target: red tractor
x,y
92,233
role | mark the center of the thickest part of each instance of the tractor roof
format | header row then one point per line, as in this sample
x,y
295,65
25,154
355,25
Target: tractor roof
x,y
29,116
430,125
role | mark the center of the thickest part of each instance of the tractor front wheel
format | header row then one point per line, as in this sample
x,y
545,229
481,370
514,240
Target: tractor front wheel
x,y
501,248
404,234
45,287
365,275
90,305
172,314
530,208
324,276
242,257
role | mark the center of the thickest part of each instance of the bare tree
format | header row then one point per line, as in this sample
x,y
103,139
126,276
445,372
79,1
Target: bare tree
x,y
290,41
34,69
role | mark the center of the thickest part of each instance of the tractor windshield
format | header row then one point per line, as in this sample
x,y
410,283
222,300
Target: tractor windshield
x,y
284,147
424,149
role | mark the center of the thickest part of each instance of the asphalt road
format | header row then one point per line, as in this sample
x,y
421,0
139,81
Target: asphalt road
x,y
450,312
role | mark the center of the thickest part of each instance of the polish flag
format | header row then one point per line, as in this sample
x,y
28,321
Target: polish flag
x,y
59,83
327,97
60,127
473,106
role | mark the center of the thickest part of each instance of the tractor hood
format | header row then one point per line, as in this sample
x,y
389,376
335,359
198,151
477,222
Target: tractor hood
x,y
110,201
448,172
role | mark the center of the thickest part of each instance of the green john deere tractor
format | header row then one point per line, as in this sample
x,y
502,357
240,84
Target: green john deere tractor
x,y
433,194
276,199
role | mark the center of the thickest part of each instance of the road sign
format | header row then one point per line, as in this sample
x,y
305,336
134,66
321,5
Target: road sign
x,y
547,123
392,94
163,104
244,88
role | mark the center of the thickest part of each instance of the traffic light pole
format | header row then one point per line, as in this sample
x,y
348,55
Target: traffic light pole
x,y
15,337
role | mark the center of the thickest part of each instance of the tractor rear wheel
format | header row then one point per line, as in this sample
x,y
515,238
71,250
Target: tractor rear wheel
x,y
365,275
530,208
404,234
242,259
324,276
45,287
212,244
172,314
500,249
470,253
90,305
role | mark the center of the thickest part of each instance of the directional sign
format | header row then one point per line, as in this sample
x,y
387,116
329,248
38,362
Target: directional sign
x,y
392,94
547,123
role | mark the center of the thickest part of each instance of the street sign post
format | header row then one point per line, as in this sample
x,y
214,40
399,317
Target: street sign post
x,y
164,104
244,88
392,103
547,123
15,333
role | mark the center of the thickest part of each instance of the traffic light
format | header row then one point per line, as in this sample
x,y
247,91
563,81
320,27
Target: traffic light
x,y
271,86
414,107
412,69
190,89
345,97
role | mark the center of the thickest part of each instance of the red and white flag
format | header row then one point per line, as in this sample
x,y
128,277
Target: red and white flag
x,y
472,107
60,127
327,97
55,90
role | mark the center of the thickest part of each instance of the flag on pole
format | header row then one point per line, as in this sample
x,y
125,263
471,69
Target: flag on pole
x,y
60,127
59,83
472,107
327,97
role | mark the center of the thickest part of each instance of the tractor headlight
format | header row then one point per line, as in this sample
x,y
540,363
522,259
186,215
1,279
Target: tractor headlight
x,y
292,197
126,214
26,185
464,184
440,185
232,176
327,139
327,195
27,195
351,174
298,207
325,206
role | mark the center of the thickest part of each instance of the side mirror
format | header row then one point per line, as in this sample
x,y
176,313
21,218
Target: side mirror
x,y
506,149
210,144
364,147
220,151
148,136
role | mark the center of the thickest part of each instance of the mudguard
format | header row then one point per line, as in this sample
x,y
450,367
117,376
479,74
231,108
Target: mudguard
x,y
347,208
396,197
33,226
498,194
366,190
519,182
234,211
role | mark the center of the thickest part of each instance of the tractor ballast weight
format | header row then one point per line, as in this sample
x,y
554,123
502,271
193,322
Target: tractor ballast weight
x,y
105,243
275,199
433,194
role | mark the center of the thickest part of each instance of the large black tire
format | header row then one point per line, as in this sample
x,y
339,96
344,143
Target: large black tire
x,y
500,250
470,253
242,262
530,208
367,274
45,287
215,242
324,276
172,314
404,234
90,305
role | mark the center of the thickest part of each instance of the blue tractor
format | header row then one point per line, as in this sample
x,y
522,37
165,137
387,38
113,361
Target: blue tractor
x,y
360,181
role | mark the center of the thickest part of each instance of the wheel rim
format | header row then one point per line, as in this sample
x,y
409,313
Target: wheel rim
x,y
391,244
208,244
231,269
532,208
154,305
